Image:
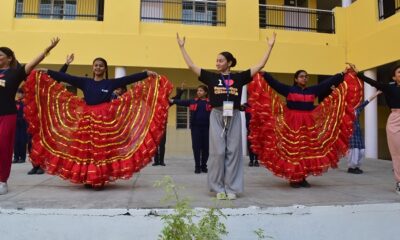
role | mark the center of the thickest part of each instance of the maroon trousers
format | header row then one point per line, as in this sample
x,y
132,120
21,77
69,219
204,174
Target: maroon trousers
x,y
8,125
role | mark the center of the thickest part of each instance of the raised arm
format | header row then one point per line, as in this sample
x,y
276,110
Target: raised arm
x,y
261,64
32,64
188,60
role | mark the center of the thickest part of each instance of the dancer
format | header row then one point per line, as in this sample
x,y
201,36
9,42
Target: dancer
x,y
36,169
160,150
253,157
95,140
200,109
11,76
21,132
296,139
357,146
391,91
225,165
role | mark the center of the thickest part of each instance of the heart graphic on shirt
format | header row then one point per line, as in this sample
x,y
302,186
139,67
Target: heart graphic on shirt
x,y
229,82
1,75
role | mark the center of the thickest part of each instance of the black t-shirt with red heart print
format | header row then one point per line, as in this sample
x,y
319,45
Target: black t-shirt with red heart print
x,y
218,85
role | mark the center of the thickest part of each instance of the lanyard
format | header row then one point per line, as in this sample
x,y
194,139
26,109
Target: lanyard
x,y
226,84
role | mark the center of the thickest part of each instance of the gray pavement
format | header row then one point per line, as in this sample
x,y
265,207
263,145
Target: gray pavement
x,y
262,189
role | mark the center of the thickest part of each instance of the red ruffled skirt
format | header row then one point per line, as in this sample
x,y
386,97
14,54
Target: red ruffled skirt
x,y
94,144
295,144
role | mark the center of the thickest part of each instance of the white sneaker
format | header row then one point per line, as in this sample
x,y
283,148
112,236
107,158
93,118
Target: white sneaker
x,y
3,188
231,196
398,188
221,196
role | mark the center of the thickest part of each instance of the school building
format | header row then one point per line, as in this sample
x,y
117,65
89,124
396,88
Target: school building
x,y
316,35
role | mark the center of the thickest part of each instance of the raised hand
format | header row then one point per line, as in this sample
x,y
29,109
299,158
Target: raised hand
x,y
352,66
70,58
43,70
181,42
54,42
151,74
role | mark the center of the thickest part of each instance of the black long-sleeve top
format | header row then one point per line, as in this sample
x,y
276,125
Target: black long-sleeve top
x,y
390,90
96,92
298,98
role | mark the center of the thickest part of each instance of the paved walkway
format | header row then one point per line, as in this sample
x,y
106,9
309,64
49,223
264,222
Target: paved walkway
x,y
262,189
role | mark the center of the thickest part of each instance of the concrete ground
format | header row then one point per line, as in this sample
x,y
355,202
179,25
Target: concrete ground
x,y
262,189
49,206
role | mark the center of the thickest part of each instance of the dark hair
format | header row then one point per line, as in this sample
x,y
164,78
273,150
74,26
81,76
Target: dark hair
x,y
205,89
395,69
9,53
296,75
105,64
230,58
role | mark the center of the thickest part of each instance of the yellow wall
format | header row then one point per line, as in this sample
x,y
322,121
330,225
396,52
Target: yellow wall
x,y
126,41
371,42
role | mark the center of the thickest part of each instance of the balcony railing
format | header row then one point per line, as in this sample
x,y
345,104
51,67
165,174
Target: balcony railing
x,y
60,9
388,8
296,18
195,12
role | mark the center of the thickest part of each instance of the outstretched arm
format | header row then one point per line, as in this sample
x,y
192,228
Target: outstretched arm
x,y
123,81
360,75
261,64
32,64
188,60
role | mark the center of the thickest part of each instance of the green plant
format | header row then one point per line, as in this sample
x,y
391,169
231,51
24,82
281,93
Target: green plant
x,y
180,225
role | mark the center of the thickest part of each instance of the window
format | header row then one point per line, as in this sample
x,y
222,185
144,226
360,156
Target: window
x,y
19,8
183,113
57,9
199,12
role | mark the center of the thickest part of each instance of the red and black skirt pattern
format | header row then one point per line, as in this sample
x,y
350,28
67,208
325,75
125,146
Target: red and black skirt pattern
x,y
295,144
94,144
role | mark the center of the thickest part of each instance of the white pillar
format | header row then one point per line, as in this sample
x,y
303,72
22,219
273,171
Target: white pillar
x,y
120,72
244,129
346,3
371,119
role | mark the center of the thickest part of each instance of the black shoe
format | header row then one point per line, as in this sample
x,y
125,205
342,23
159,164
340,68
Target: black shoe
x,y
256,164
304,184
21,161
294,184
162,164
251,164
155,164
359,170
15,161
88,185
204,170
354,170
39,171
197,171
33,170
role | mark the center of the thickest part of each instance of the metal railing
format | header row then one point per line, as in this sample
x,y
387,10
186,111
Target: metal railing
x,y
67,10
195,12
296,18
388,8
